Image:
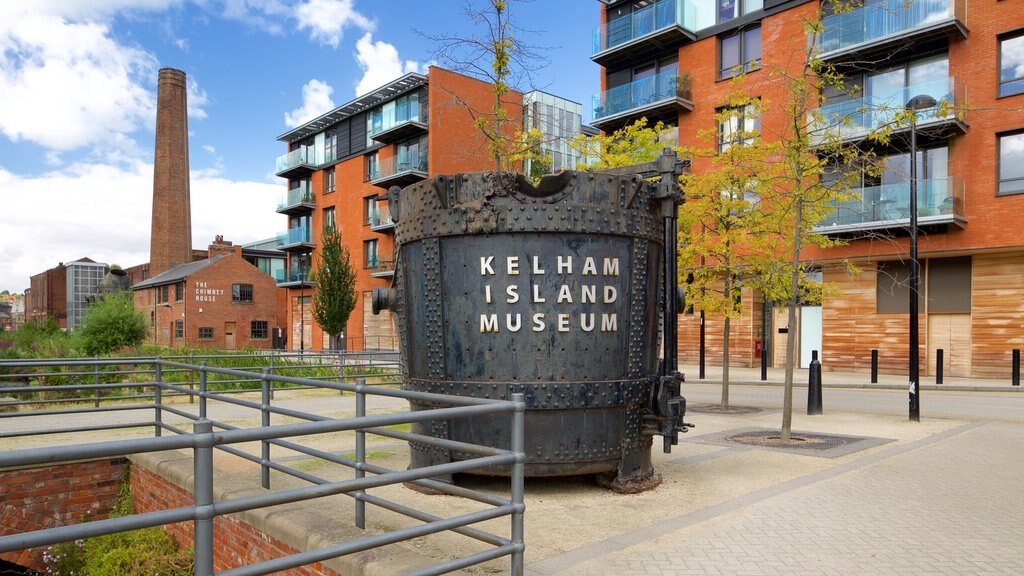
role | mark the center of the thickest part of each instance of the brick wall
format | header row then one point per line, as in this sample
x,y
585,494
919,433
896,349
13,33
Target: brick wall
x,y
236,543
38,498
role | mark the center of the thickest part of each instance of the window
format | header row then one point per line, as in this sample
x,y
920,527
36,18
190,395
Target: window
x,y
152,319
892,287
259,330
1011,163
241,293
162,294
370,254
369,209
205,333
329,180
330,145
372,167
738,125
740,52
329,218
1011,64
179,329
179,291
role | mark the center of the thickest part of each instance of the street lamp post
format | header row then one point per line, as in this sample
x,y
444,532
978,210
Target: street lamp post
x,y
920,102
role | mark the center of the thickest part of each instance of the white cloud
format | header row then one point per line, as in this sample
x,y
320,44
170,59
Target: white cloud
x,y
380,63
103,212
196,98
316,100
266,15
327,19
65,85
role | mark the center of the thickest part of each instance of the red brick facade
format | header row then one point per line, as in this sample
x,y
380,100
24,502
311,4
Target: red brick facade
x,y
207,302
39,498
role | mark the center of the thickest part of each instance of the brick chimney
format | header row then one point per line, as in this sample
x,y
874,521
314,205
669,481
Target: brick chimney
x,y
170,241
220,246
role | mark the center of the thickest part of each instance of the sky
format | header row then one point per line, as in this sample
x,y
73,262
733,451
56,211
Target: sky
x,y
78,94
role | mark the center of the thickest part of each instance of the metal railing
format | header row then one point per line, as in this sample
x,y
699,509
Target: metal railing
x,y
387,118
297,235
303,194
661,14
202,440
662,86
301,156
939,200
856,118
881,20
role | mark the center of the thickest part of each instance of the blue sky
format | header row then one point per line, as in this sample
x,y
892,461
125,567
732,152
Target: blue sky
x,y
78,89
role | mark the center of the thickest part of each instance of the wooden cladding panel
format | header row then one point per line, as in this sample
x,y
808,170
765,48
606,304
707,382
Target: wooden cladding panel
x,y
997,310
743,333
851,328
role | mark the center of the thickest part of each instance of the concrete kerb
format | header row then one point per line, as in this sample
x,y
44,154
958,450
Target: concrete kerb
x,y
302,525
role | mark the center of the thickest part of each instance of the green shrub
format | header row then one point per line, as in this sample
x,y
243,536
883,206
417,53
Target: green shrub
x,y
111,324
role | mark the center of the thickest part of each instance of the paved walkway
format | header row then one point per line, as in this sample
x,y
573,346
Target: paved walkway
x,y
945,504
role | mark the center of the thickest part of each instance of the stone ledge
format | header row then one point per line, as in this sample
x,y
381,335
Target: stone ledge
x,y
301,525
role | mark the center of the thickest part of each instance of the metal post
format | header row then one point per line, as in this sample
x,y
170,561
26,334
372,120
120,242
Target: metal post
x,y
1015,375
920,102
874,366
764,341
341,371
518,483
203,472
700,355
915,391
96,381
191,378
938,366
360,453
202,390
814,385
265,422
158,414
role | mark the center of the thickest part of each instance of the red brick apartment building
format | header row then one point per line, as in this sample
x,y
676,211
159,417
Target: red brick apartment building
x,y
222,302
339,167
672,60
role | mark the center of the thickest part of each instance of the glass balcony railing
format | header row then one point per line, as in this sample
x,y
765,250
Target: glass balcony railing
x,y
859,117
297,235
380,264
401,113
664,86
296,196
657,16
407,162
879,20
381,217
302,156
939,200
287,277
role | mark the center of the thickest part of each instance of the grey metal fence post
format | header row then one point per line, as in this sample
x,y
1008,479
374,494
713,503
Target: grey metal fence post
x,y
158,397
341,371
360,453
265,421
96,381
203,471
518,485
191,378
202,390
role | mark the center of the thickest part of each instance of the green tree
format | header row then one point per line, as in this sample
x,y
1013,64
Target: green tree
x,y
112,323
334,286
498,55
634,143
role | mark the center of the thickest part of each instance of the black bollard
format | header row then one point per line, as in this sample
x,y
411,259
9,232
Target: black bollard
x,y
1015,379
874,366
938,366
814,386
764,365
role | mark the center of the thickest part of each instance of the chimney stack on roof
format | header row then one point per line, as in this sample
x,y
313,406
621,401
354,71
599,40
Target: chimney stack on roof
x,y
171,237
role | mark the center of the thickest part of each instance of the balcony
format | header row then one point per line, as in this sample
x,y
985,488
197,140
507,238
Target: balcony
x,y
855,119
287,279
295,239
297,163
658,97
652,29
380,219
297,200
404,121
940,202
873,31
400,170
380,268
